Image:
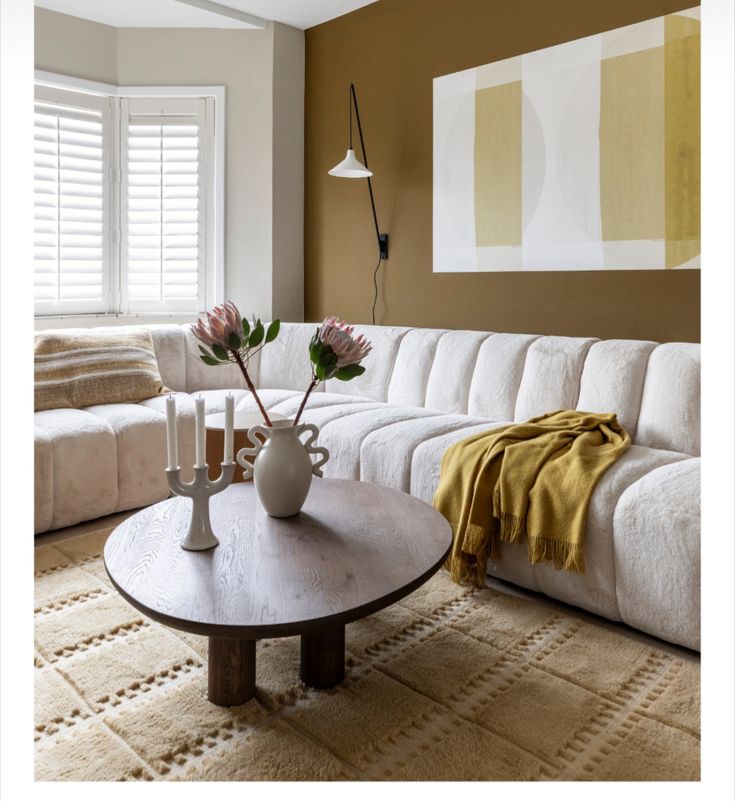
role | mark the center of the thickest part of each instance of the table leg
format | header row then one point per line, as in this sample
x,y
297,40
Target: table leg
x,y
323,657
231,676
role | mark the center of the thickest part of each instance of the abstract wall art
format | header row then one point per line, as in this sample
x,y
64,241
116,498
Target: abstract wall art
x,y
582,156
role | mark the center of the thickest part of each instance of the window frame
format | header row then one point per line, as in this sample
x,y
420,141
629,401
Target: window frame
x,y
214,259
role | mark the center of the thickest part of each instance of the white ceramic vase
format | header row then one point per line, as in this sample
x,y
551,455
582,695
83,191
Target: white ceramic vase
x,y
282,469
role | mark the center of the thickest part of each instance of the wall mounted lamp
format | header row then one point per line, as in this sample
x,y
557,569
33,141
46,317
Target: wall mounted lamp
x,y
351,167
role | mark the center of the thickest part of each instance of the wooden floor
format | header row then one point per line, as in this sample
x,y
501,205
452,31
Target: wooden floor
x,y
496,584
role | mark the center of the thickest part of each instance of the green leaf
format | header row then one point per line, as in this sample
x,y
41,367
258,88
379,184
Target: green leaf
x,y
220,353
273,330
204,351
245,328
210,360
256,335
328,357
320,372
234,341
315,351
349,371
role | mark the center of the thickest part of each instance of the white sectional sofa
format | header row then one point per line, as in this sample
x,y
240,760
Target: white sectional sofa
x,y
423,390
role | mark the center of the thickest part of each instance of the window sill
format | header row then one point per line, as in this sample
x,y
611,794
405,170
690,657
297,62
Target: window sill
x,y
43,323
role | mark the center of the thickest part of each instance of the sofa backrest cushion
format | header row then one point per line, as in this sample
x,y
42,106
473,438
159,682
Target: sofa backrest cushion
x,y
223,376
374,382
412,366
670,407
497,375
612,379
653,388
448,388
284,363
169,343
551,376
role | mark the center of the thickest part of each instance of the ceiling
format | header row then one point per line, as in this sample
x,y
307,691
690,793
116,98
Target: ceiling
x,y
204,13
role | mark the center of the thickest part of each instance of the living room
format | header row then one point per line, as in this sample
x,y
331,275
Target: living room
x,y
396,478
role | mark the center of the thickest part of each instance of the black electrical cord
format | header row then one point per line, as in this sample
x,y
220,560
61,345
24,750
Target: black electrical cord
x,y
375,284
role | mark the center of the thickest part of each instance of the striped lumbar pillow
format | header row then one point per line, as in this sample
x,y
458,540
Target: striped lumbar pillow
x,y
80,368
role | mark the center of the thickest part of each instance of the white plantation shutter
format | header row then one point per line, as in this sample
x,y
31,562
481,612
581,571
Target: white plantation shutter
x,y
128,199
164,186
71,202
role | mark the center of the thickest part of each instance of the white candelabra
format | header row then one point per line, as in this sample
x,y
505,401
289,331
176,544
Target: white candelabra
x,y
200,536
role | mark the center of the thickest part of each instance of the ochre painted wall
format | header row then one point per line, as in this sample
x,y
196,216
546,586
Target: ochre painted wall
x,y
392,50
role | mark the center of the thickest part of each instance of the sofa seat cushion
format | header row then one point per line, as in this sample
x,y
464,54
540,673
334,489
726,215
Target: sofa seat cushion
x,y
289,406
657,552
140,436
286,402
269,398
214,399
344,428
84,452
43,478
386,454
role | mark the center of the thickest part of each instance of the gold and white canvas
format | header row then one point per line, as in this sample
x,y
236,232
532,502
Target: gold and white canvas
x,y
582,156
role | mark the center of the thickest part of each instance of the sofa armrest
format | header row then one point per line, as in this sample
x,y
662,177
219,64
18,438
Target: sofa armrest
x,y
657,553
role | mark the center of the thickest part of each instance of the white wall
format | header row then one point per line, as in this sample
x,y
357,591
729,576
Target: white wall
x,y
288,161
75,47
263,72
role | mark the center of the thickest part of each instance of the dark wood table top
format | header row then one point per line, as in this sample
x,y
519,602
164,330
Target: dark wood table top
x,y
354,548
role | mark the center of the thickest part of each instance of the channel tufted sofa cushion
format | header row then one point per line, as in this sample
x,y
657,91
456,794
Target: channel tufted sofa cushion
x,y
423,390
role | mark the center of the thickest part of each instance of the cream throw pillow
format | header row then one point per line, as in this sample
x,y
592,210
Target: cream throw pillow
x,y
78,369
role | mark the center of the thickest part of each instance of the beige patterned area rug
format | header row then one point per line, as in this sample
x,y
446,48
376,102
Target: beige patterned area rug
x,y
449,684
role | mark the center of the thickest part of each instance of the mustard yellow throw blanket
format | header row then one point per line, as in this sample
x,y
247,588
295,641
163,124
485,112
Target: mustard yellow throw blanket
x,y
532,479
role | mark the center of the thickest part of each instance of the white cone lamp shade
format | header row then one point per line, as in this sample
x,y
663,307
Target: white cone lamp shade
x,y
350,167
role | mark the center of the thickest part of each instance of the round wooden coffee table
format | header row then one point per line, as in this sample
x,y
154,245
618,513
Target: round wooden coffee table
x,y
355,548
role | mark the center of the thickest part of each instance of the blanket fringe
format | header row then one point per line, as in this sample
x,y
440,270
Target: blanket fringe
x,y
470,565
512,528
562,555
466,569
475,539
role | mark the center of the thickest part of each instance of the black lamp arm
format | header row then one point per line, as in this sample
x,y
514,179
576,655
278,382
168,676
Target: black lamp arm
x,y
382,238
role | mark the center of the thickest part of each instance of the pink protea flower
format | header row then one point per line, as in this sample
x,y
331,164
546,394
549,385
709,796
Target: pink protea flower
x,y
221,322
338,335
334,353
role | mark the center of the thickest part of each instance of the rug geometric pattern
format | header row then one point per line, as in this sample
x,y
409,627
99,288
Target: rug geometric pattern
x,y
449,684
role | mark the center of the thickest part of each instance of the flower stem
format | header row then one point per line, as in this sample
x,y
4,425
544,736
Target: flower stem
x,y
251,387
312,387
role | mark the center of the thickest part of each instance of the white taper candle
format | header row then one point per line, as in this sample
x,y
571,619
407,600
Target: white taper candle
x,y
200,457
171,437
229,427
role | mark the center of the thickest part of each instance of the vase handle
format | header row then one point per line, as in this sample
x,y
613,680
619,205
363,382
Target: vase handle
x,y
316,468
247,466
